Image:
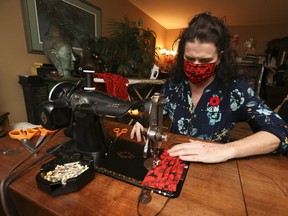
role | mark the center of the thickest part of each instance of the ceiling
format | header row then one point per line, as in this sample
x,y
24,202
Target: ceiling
x,y
175,14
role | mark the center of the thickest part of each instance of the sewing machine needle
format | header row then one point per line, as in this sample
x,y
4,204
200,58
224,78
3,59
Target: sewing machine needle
x,y
145,151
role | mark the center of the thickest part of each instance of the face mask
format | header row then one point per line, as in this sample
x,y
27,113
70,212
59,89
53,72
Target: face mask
x,y
198,73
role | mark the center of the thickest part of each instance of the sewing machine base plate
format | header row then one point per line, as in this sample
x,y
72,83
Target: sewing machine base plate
x,y
124,161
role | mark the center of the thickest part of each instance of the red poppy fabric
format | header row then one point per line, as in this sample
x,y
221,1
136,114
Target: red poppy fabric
x,y
166,174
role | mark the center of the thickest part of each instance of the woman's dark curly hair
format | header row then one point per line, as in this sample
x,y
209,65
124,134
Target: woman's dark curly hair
x,y
206,28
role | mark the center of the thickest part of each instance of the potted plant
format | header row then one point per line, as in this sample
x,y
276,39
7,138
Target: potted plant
x,y
128,50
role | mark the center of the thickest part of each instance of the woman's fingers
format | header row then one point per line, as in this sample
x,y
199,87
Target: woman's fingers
x,y
137,131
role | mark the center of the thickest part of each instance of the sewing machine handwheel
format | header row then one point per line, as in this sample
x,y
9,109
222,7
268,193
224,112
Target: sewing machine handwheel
x,y
61,90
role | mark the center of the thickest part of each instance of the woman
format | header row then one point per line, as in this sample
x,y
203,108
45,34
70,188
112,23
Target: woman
x,y
205,97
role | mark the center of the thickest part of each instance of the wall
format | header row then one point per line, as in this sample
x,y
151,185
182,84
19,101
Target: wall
x,y
261,33
15,60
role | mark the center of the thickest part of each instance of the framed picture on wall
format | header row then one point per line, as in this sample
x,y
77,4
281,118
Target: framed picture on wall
x,y
79,18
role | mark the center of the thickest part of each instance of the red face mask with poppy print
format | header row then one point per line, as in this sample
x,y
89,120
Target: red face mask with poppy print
x,y
198,73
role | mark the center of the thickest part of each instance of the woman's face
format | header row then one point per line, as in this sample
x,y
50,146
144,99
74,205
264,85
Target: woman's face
x,y
200,53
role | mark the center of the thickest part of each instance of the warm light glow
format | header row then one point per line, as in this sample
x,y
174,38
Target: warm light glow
x,y
167,52
162,51
173,53
167,58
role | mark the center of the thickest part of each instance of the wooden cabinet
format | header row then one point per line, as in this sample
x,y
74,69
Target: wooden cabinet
x,y
51,82
253,73
275,95
4,123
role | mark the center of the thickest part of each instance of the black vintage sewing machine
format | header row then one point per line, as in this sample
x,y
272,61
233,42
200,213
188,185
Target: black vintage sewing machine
x,y
81,110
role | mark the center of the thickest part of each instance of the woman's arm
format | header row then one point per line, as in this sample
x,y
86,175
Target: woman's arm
x,y
207,152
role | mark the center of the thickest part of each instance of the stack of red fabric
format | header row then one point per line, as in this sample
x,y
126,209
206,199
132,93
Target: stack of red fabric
x,y
166,174
116,85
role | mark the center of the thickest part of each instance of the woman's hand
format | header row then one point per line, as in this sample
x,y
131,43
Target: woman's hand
x,y
199,151
137,130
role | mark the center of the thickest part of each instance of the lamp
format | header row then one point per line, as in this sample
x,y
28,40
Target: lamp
x,y
168,58
167,52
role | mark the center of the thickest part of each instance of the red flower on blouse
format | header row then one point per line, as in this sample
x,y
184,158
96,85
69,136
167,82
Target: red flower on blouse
x,y
214,101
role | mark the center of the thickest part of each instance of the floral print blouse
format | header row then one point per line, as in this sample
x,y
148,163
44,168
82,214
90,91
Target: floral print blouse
x,y
218,111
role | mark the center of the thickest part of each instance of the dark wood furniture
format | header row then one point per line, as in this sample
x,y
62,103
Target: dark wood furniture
x,y
275,95
51,82
4,123
253,74
251,186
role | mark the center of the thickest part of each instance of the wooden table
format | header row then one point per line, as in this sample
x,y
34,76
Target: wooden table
x,y
254,186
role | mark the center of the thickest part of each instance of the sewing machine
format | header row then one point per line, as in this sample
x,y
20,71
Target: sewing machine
x,y
81,110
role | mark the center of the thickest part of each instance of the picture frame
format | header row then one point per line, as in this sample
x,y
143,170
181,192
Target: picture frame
x,y
36,24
